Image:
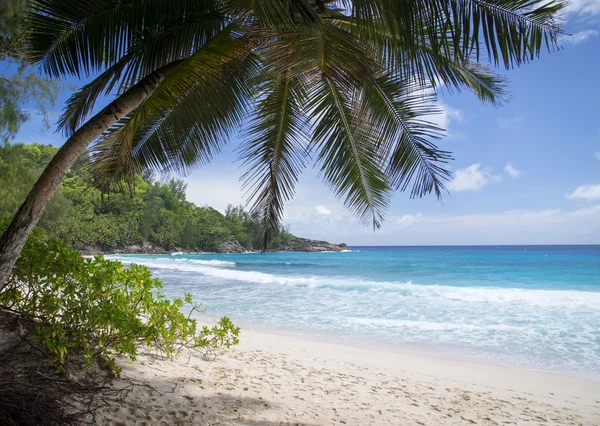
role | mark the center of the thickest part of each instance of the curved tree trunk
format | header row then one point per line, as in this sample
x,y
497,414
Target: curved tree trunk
x,y
31,210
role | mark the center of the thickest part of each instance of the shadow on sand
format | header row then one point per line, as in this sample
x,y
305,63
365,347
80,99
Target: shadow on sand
x,y
166,402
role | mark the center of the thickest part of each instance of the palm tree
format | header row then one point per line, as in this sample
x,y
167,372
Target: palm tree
x,y
346,83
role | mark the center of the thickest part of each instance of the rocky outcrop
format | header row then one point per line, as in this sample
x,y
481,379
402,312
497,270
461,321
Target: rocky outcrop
x,y
307,245
230,246
144,248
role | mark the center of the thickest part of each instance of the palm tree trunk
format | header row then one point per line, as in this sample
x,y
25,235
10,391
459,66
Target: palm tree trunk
x,y
31,210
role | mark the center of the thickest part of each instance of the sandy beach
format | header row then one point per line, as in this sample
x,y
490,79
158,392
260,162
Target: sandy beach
x,y
274,379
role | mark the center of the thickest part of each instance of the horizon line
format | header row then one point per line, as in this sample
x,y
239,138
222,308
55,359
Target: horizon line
x,y
475,245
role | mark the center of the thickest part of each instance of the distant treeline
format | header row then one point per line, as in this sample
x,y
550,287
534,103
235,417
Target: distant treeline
x,y
147,211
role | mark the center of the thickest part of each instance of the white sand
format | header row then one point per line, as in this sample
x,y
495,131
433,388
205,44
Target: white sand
x,y
281,380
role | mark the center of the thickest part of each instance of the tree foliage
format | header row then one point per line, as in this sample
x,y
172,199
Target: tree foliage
x,y
99,309
20,166
21,89
85,215
11,19
337,82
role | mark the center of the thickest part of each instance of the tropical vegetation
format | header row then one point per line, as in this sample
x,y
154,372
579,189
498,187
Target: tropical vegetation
x,y
339,83
19,83
97,309
149,212
347,85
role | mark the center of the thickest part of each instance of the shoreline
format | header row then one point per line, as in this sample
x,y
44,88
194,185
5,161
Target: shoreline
x,y
231,246
517,339
273,379
400,349
418,361
91,253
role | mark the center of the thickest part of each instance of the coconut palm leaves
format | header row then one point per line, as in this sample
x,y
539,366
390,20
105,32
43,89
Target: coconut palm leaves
x,y
275,149
145,54
186,119
79,37
348,154
510,31
348,84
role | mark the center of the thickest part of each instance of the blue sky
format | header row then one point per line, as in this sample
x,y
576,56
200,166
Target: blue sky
x,y
525,173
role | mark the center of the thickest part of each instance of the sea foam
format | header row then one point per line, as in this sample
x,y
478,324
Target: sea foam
x,y
506,305
479,295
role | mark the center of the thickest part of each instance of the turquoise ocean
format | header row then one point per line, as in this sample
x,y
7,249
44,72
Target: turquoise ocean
x,y
534,307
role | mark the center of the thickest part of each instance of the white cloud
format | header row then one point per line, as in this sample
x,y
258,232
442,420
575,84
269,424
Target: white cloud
x,y
579,37
586,192
541,213
323,210
584,7
506,220
215,191
446,117
512,123
217,185
597,155
544,226
512,171
471,178
450,115
409,220
588,211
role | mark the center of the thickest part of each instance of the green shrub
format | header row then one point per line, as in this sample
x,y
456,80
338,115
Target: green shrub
x,y
98,308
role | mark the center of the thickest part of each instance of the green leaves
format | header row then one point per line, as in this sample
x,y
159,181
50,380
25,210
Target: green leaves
x,y
20,167
275,150
154,213
348,154
395,109
97,308
510,31
187,118
350,83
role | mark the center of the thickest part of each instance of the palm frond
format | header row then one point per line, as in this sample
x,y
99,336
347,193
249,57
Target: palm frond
x,y
511,31
156,50
354,69
274,151
439,69
314,51
78,37
331,64
396,109
82,102
187,118
347,151
281,14
486,85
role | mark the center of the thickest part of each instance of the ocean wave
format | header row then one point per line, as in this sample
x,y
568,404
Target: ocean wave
x,y
167,263
181,253
476,295
513,296
429,325
212,262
